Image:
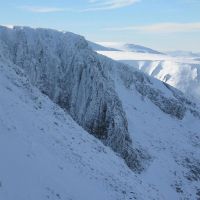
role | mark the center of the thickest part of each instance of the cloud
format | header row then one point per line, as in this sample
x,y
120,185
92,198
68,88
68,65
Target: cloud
x,y
8,26
109,4
37,9
161,28
191,1
93,5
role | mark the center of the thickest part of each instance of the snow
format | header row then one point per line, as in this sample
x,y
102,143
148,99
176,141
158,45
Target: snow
x,y
45,154
64,67
166,140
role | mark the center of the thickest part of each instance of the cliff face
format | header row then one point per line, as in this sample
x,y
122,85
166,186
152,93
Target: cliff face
x,y
64,67
110,100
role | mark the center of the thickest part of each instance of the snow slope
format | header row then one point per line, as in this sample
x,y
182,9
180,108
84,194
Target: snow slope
x,y
48,155
174,145
44,154
184,76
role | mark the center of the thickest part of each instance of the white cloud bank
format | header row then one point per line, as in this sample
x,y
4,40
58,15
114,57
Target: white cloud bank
x,y
36,9
161,28
109,4
93,5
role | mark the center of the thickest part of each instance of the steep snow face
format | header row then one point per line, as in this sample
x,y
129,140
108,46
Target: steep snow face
x,y
62,66
45,155
183,76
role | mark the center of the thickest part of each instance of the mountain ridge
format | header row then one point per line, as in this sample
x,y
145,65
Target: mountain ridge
x,y
113,102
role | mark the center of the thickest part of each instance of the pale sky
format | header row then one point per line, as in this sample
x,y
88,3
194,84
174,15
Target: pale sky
x,y
160,24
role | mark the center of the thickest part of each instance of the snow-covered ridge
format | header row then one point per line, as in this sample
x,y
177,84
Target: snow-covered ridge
x,y
64,67
168,99
126,47
183,76
139,49
148,123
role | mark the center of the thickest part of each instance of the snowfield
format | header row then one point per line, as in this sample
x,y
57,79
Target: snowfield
x,y
76,125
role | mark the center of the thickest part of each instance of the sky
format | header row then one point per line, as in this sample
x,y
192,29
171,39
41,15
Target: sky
x,y
164,25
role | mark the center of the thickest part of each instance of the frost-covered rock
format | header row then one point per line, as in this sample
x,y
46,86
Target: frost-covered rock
x,y
112,101
63,67
45,154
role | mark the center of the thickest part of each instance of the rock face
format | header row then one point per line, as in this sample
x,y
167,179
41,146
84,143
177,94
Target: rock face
x,y
182,73
110,100
63,67
168,99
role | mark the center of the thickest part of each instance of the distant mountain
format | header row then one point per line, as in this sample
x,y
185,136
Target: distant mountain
x,y
139,49
107,46
183,76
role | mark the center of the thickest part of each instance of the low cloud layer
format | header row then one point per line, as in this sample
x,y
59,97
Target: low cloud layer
x,y
161,28
110,4
92,5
